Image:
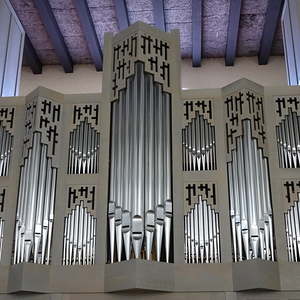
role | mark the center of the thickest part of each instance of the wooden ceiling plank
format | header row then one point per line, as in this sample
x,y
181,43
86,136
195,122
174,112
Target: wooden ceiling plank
x,y
31,57
89,31
233,31
196,32
158,14
122,14
49,21
272,19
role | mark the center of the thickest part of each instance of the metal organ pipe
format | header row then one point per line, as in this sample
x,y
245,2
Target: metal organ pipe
x,y
250,201
6,144
140,201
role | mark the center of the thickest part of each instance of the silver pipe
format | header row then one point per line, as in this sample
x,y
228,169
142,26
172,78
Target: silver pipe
x,y
201,229
113,174
30,212
46,208
40,202
150,171
126,213
138,200
232,198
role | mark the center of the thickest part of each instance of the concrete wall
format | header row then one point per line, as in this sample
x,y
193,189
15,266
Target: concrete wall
x,y
212,74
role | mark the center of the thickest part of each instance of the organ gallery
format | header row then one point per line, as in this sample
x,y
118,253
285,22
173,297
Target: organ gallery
x,y
148,187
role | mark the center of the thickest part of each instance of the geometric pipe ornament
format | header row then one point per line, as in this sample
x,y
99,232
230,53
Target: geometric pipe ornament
x,y
202,234
140,200
292,229
84,149
35,211
288,140
79,245
250,199
198,145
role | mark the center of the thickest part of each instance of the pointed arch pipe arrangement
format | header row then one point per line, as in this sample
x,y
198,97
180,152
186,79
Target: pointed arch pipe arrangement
x,y
288,140
292,230
140,201
202,234
250,199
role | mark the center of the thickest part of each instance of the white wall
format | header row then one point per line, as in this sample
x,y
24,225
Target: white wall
x,y
212,74
11,50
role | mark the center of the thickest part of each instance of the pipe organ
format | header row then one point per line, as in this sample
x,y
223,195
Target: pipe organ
x,y
149,187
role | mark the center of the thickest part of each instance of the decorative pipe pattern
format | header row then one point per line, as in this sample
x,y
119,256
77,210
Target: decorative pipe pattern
x,y
288,140
198,145
84,149
6,144
140,200
250,199
35,210
292,230
79,245
202,234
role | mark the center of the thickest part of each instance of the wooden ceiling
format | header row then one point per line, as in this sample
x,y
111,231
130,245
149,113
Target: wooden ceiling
x,y
69,32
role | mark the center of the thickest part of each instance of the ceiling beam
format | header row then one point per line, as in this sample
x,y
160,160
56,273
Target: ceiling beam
x,y
122,14
31,57
49,21
159,15
89,31
233,31
272,19
196,32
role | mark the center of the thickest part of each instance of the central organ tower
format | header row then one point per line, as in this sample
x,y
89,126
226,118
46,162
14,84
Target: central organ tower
x,y
143,94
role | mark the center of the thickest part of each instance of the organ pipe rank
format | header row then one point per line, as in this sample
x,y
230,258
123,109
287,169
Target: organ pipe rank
x,y
140,201
202,234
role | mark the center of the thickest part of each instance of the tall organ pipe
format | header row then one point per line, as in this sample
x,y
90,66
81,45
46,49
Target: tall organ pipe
x,y
140,200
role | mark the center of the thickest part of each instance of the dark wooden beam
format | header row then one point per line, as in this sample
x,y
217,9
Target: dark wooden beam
x,y
196,32
89,31
31,57
49,21
272,19
122,14
159,15
233,31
